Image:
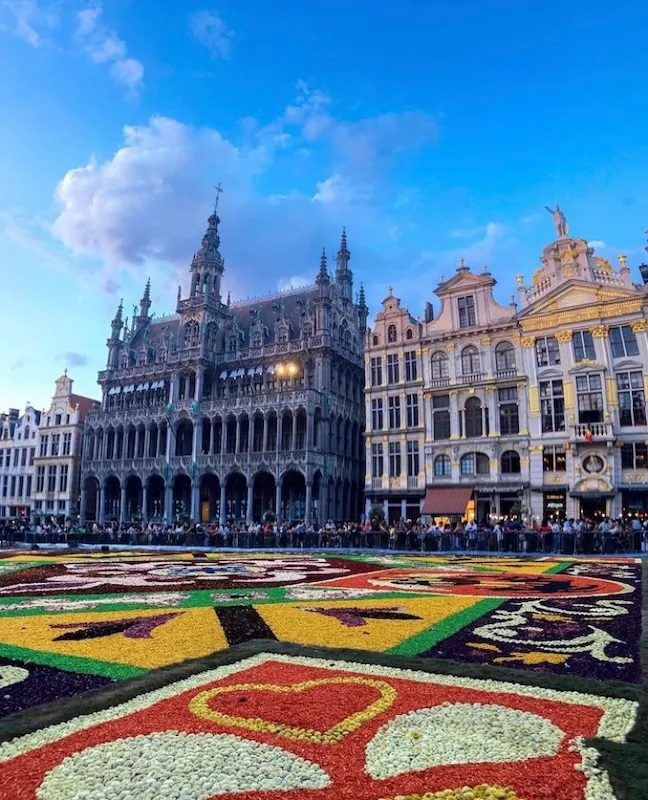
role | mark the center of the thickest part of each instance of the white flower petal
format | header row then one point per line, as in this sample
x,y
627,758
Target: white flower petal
x,y
459,733
10,675
195,766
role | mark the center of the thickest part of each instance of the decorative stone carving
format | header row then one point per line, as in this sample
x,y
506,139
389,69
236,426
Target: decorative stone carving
x,y
564,336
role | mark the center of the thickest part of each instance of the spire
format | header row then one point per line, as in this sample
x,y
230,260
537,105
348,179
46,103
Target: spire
x,y
323,278
343,256
145,302
207,265
362,303
118,323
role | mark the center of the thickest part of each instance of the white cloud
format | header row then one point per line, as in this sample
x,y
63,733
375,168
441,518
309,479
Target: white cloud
x,y
294,282
211,30
466,233
104,46
148,202
597,243
28,20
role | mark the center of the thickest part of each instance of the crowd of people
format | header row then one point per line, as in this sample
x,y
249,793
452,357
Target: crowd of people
x,y
568,536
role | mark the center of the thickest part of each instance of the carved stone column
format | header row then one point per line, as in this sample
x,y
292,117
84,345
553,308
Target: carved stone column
x,y
278,501
122,503
248,508
308,512
221,511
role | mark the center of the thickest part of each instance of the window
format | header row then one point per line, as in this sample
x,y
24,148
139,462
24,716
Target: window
x,y
8,458
409,334
377,414
29,487
466,306
632,400
63,478
16,453
376,460
411,369
412,410
623,341
590,398
394,459
510,463
634,455
394,407
470,363
391,334
12,493
374,341
32,456
67,419
474,464
554,459
583,345
1,459
43,445
504,356
442,466
412,459
56,441
57,419
40,479
5,485
473,417
23,457
439,364
509,417
547,351
376,371
441,416
67,444
51,478
552,406
393,372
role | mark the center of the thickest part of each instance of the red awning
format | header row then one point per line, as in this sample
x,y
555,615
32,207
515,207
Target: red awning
x,y
447,501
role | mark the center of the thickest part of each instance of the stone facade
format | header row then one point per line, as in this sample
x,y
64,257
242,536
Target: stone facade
x,y
537,410
18,444
226,411
57,462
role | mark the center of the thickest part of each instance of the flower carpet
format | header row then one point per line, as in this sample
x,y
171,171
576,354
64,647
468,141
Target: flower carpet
x,y
368,676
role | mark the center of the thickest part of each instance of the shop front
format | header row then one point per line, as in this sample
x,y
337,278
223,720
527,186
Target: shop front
x,y
554,504
634,502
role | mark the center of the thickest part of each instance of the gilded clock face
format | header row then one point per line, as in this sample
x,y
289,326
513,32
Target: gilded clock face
x,y
593,464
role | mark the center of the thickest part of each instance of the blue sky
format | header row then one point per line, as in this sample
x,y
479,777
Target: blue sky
x,y
430,129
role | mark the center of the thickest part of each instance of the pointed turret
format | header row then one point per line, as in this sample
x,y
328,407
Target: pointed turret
x,y
207,265
145,302
114,342
323,277
362,303
343,275
363,311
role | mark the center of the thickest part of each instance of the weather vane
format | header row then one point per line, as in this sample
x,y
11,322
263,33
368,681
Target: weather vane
x,y
219,192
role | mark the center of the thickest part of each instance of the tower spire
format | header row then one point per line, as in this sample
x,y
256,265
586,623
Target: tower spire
x,y
343,275
362,303
323,278
207,265
145,302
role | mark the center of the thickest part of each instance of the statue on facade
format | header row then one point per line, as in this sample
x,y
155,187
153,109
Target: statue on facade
x,y
559,220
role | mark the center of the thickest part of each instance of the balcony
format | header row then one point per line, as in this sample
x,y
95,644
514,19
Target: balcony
x,y
506,374
593,431
413,482
376,483
439,383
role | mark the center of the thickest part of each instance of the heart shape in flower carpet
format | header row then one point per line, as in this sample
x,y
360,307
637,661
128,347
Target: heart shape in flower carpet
x,y
273,708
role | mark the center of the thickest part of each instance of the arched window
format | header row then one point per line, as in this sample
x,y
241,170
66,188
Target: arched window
x,y
391,333
442,466
257,339
439,365
282,334
504,356
192,334
409,334
473,417
374,340
510,463
470,364
474,464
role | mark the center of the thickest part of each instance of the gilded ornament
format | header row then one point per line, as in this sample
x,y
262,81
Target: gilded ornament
x,y
564,336
486,340
599,331
639,326
602,264
538,277
528,341
450,346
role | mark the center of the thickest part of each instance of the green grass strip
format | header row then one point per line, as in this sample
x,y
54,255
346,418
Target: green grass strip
x,y
72,663
561,567
426,639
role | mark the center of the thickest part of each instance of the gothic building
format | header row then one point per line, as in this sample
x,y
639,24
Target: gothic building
x,y
226,411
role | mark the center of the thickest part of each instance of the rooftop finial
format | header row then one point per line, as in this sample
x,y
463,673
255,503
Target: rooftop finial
x,y
323,278
362,303
462,265
219,192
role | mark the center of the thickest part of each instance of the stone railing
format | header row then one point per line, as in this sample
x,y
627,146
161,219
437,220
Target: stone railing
x,y
593,431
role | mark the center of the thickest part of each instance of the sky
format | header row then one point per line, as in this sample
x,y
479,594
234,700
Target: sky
x,y
431,129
